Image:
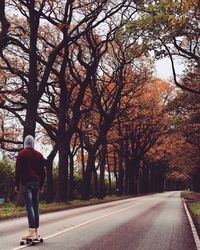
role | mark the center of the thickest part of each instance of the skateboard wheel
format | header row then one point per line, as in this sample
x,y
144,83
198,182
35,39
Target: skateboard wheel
x,y
41,240
22,243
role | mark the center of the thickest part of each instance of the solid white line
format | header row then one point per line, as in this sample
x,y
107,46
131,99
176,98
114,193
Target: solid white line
x,y
193,228
88,222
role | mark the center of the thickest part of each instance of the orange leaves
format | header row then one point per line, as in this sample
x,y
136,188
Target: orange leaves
x,y
156,91
180,146
177,176
181,155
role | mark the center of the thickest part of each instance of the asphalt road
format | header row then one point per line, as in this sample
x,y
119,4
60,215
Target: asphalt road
x,y
153,222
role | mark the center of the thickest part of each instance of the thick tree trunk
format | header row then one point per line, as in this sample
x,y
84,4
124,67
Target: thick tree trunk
x,y
88,175
121,175
133,177
96,183
109,180
62,189
102,182
144,184
4,38
131,181
32,97
102,172
127,175
62,142
82,158
49,176
116,173
71,177
50,184
109,174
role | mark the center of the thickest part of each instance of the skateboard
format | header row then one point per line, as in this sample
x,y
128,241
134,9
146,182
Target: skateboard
x,y
31,242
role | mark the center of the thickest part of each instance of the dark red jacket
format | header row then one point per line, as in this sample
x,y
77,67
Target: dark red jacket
x,y
29,167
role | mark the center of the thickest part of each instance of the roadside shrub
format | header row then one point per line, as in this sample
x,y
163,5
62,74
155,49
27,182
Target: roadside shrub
x,y
7,179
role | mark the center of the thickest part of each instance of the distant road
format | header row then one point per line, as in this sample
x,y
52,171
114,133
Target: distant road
x,y
153,222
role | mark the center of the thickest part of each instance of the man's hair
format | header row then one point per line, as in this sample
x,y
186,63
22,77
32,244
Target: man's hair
x,y
29,141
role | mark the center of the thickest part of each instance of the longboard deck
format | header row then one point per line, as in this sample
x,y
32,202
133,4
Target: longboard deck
x,y
31,242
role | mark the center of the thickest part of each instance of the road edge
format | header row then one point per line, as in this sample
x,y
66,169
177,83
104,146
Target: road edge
x,y
193,228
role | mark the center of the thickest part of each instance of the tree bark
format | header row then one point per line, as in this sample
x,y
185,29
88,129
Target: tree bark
x,y
71,176
88,175
102,172
109,173
49,176
62,142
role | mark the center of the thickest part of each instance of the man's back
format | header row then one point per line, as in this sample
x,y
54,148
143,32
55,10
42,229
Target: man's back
x,y
30,166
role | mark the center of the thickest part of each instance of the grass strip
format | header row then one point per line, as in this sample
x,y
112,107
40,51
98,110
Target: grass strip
x,y
192,200
195,209
10,210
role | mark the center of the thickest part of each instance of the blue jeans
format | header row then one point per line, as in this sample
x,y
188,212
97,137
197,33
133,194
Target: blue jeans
x,y
31,199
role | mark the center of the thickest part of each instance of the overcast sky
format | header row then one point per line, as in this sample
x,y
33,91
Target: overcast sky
x,y
164,70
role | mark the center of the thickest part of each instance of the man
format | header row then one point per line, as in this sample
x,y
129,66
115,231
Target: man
x,y
30,173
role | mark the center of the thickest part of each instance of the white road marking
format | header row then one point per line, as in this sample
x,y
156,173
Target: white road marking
x,y
89,221
193,228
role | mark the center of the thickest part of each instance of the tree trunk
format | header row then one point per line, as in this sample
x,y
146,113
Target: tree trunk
x,y
102,172
134,176
82,157
50,186
109,174
96,183
32,97
49,176
116,173
127,172
31,115
71,177
144,185
131,179
88,175
62,192
121,175
62,142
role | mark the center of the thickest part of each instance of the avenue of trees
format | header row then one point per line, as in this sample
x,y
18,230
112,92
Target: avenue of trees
x,y
79,77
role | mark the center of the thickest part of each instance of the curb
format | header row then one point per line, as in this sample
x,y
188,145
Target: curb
x,y
193,228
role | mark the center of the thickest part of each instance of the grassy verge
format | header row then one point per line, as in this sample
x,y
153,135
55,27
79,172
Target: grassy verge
x,y
192,201
9,210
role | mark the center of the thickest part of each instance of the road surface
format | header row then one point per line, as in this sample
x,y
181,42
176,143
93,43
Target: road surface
x,y
152,222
